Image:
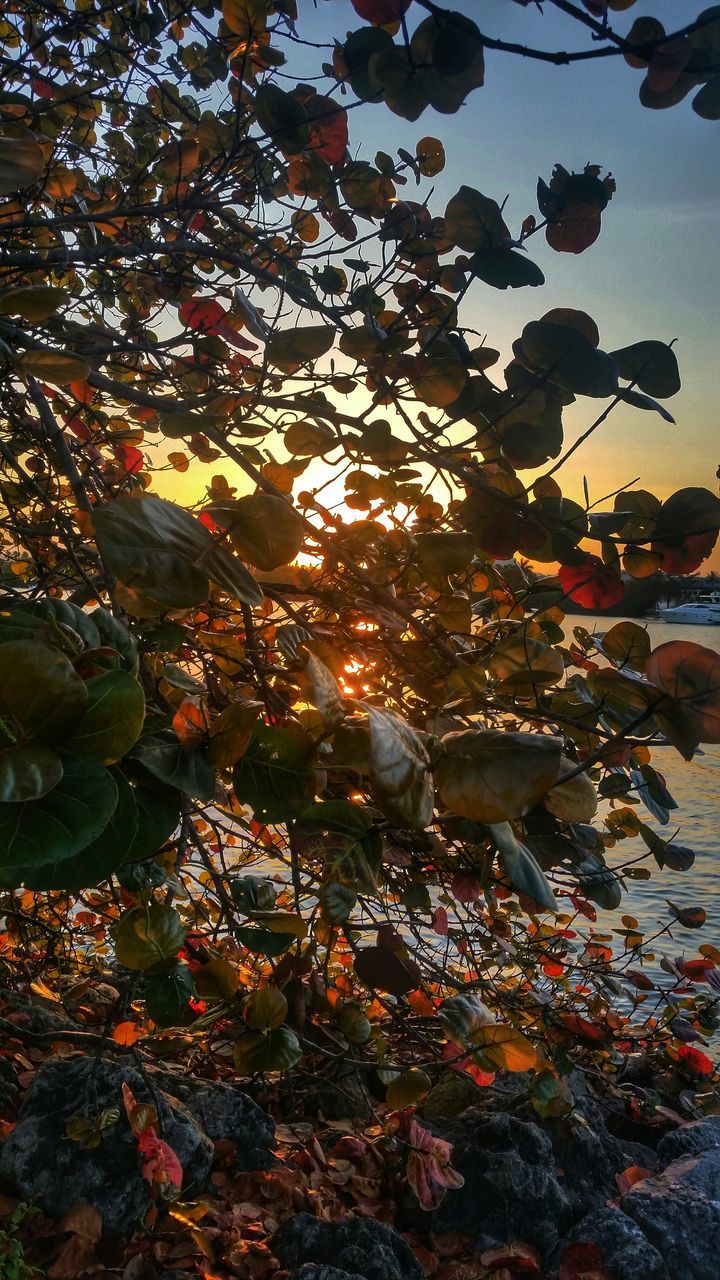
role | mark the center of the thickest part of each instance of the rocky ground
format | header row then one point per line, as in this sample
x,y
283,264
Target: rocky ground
x,y
596,1194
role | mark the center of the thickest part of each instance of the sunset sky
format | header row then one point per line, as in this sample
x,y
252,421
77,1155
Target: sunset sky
x,y
654,272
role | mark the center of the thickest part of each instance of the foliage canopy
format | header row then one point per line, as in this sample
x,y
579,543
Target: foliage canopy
x,y
308,766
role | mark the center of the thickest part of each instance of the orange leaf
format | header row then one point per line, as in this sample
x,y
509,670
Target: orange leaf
x,y
189,721
127,1033
82,391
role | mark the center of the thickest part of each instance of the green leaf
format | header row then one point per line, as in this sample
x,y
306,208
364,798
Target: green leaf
x,y
276,776
407,1089
288,349
99,859
252,893
185,768
505,269
158,809
640,401
445,553
337,902
145,936
266,1008
569,358
651,365
521,867
167,995
263,941
41,694
275,1050
551,1096
706,103
283,118
33,302
351,853
492,775
627,644
113,719
265,530
154,546
28,772
353,1023
474,221
462,1016
61,823
400,774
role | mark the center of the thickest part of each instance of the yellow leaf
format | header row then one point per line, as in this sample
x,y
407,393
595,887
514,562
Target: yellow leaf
x,y
505,1048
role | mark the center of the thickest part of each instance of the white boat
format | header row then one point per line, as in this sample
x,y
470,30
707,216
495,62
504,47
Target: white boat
x,y
700,610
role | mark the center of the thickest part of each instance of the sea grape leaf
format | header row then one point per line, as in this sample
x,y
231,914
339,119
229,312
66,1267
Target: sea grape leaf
x,y
41,695
28,772
60,823
492,775
275,775
113,718
146,936
520,866
400,775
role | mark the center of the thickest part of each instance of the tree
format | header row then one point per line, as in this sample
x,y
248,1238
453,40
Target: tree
x,y
303,766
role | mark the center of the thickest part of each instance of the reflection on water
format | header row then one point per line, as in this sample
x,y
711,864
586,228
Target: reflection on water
x,y
695,786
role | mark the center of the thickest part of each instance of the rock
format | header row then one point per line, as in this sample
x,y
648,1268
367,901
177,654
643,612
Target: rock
x,y
311,1271
588,1160
343,1096
690,1140
361,1246
626,1251
39,1015
511,1188
679,1213
55,1172
224,1112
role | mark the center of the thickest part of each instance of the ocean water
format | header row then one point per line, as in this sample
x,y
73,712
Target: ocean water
x,y
695,785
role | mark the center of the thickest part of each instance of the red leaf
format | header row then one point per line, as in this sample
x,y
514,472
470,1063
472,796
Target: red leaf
x,y
439,921
381,13
685,555
465,888
583,1262
592,584
515,1256
226,331
695,970
575,229
695,1061
630,1177
159,1164
130,458
203,315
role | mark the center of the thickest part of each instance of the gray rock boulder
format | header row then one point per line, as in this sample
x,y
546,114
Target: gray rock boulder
x,y
678,1212
511,1189
47,1167
626,1252
311,1271
690,1140
363,1248
224,1112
